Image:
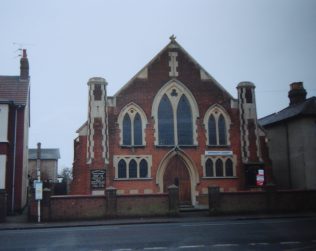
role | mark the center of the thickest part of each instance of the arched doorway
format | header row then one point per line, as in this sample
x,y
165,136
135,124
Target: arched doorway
x,y
177,173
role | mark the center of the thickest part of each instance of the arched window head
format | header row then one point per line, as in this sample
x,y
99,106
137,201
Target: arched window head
x,y
217,123
121,172
143,169
209,172
132,169
219,168
165,122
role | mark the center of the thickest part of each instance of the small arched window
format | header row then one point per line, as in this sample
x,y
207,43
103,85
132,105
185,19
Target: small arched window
x,y
121,172
209,172
219,168
143,169
229,167
132,169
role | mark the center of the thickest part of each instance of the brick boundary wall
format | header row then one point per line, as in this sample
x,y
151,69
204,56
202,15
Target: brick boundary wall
x,y
269,201
84,207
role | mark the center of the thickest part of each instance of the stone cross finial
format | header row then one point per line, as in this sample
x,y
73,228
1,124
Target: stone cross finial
x,y
173,38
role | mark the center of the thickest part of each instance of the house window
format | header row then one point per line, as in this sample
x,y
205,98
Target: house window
x,y
217,121
219,167
132,166
122,169
132,121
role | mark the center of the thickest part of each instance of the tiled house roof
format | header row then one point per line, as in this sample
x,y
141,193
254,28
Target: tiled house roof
x,y
12,89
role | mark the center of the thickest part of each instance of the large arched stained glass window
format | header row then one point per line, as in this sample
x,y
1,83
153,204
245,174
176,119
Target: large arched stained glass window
x,y
143,169
121,172
165,122
127,127
212,132
222,130
184,120
132,169
138,137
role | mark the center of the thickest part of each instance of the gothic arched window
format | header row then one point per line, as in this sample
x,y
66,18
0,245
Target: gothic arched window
x,y
217,123
132,169
143,169
165,122
209,172
121,172
184,122
138,137
127,127
219,168
229,167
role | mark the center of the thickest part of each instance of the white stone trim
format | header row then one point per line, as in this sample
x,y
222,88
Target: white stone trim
x,y
181,89
233,158
4,121
216,110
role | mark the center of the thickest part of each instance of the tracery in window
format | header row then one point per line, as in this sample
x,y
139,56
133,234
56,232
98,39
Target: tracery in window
x,y
219,167
165,122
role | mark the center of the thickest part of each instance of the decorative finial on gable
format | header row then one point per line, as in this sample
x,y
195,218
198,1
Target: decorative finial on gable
x,y
173,38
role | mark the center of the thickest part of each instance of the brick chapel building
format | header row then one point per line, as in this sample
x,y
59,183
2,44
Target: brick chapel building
x,y
172,123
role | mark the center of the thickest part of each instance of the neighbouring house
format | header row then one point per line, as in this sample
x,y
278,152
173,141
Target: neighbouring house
x,y
291,136
48,164
172,123
14,130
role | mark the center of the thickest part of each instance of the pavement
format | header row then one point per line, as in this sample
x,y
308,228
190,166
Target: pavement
x,y
20,221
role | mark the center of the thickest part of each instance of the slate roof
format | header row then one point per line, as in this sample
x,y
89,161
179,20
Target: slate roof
x,y
13,89
306,108
46,154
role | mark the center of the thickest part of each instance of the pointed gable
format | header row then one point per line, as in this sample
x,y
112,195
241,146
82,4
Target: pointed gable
x,y
173,62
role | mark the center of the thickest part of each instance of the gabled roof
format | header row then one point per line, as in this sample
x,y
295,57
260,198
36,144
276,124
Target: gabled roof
x,y
306,108
46,154
12,89
170,45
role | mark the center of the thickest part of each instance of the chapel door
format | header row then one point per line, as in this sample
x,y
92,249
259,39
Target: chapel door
x,y
176,173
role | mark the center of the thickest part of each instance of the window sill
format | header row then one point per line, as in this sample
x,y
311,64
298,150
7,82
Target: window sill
x,y
224,177
179,146
126,146
218,146
133,179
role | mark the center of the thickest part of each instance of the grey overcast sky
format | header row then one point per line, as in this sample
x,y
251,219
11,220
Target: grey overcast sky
x,y
271,43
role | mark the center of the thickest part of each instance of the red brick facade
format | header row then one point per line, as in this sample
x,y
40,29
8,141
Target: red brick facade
x,y
172,73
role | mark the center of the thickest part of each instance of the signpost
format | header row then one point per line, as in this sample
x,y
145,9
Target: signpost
x,y
38,184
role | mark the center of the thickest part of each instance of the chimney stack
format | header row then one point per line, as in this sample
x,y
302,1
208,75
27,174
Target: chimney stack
x,y
24,66
297,93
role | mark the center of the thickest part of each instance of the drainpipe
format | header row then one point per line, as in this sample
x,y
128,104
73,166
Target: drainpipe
x,y
14,157
288,154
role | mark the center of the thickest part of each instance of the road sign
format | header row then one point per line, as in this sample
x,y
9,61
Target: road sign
x,y
38,185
